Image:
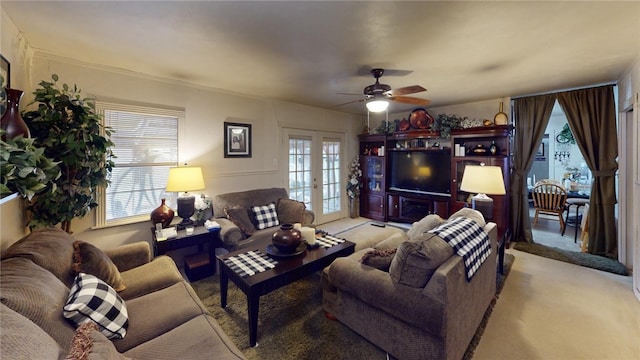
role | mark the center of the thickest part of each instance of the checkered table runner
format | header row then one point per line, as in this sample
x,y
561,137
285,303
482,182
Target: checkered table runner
x,y
250,263
328,241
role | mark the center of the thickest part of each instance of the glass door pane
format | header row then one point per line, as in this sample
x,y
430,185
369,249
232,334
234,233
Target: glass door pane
x,y
314,172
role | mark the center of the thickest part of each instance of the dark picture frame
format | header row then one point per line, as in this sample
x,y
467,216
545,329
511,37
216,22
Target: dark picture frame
x,y
237,140
5,71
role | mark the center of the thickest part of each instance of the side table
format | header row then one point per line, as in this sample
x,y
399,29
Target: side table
x,y
577,202
199,237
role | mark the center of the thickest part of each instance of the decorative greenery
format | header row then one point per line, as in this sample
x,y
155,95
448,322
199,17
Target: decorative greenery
x,y
353,185
565,136
25,169
447,122
70,131
387,127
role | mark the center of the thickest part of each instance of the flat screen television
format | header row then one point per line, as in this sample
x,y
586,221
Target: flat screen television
x,y
423,172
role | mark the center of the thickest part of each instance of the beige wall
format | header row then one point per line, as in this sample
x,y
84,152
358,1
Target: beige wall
x,y
202,134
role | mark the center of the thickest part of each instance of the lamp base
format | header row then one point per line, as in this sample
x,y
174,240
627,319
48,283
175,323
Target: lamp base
x,y
186,209
484,204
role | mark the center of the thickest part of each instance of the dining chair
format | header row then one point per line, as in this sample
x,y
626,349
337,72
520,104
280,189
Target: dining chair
x,y
549,199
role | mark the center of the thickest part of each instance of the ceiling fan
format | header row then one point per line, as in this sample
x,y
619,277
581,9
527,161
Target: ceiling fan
x,y
377,96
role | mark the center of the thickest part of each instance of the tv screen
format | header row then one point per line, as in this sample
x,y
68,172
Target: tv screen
x,y
427,171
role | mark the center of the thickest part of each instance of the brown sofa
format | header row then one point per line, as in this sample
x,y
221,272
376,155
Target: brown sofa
x,y
238,227
401,314
166,320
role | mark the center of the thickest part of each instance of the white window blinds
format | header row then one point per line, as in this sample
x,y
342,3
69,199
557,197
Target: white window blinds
x,y
146,146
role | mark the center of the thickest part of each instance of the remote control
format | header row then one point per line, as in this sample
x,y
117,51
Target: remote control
x,y
378,225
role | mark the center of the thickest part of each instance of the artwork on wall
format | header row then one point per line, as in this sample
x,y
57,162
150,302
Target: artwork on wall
x,y
540,153
237,140
5,71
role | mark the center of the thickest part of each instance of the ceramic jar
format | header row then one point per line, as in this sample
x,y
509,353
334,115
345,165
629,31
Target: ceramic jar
x,y
162,215
287,238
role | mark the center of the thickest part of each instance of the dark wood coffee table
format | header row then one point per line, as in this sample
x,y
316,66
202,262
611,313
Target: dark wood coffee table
x,y
288,270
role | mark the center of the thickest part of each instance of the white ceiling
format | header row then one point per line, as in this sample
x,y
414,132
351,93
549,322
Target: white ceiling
x,y
308,51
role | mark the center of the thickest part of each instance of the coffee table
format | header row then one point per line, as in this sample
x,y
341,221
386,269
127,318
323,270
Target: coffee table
x,y
288,270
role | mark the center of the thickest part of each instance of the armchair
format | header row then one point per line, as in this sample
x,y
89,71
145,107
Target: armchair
x,y
434,321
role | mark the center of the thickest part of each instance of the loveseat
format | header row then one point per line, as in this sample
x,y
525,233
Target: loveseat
x,y
239,225
164,317
410,295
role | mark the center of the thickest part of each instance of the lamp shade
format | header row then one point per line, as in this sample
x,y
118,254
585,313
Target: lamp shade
x,y
377,104
483,180
186,178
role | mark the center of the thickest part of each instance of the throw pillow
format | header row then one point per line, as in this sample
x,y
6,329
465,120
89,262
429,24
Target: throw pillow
x,y
91,299
240,217
379,259
89,259
266,216
89,344
290,211
472,214
425,224
417,260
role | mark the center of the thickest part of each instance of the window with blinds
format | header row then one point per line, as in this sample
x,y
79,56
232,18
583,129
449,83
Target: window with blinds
x,y
145,147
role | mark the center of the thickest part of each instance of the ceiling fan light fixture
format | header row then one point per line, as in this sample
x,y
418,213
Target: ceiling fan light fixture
x,y
377,104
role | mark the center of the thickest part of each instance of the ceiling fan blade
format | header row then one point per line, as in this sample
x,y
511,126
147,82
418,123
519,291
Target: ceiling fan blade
x,y
406,90
410,100
344,93
347,103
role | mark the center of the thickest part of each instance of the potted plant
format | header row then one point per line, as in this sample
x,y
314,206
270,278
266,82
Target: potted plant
x,y
25,169
444,123
353,186
68,128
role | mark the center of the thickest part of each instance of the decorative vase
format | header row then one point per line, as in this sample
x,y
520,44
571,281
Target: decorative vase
x,y
12,121
162,215
494,149
353,208
287,238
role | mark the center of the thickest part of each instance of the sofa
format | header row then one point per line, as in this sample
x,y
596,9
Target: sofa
x,y
50,283
240,225
410,295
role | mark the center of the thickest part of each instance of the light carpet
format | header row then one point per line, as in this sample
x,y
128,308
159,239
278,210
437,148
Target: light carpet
x,y
292,325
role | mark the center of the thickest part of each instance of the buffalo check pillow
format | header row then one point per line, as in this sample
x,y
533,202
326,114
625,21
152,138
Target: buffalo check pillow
x,y
91,299
266,216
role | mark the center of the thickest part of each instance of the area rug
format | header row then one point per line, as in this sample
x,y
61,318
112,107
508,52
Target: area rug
x,y
573,257
292,325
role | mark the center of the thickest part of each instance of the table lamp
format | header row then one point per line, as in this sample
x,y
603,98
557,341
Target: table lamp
x,y
184,179
483,180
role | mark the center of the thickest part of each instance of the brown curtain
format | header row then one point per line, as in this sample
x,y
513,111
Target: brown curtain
x,y
530,116
592,117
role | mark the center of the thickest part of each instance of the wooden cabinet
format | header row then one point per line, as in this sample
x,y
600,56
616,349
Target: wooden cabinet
x,y
474,140
411,208
372,164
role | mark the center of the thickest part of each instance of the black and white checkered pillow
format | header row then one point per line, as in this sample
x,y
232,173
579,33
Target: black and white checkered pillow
x,y
91,299
266,216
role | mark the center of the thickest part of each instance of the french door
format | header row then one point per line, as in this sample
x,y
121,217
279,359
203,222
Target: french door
x,y
314,171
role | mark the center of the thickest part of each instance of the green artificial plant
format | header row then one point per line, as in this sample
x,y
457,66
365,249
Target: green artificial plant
x,y
70,131
447,122
25,169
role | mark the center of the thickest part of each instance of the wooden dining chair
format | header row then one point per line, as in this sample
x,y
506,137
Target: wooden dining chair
x,y
549,199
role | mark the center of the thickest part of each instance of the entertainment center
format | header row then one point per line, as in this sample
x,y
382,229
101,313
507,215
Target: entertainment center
x,y
409,174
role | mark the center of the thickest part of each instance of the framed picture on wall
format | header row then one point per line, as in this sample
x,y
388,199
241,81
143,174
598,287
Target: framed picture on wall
x,y
237,140
5,72
540,153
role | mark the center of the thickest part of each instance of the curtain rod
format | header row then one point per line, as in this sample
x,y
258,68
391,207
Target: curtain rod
x,y
566,90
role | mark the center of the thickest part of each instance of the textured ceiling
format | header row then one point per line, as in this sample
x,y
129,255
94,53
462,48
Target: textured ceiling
x,y
307,52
